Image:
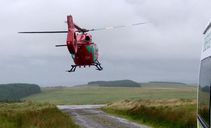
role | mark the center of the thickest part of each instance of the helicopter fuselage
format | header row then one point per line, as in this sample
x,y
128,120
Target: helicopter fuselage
x,y
87,51
79,43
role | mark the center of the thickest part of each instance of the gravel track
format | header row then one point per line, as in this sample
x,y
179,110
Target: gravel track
x,y
90,116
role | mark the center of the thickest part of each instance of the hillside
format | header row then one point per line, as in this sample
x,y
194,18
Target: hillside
x,y
166,82
117,83
16,91
103,95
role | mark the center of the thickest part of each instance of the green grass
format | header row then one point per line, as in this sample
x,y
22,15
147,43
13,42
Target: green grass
x,y
33,115
151,112
101,95
181,114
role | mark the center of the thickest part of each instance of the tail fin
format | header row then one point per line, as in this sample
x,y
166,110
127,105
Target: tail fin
x,y
71,39
70,22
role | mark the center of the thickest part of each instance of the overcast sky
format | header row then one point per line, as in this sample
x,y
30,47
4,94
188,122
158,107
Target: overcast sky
x,y
166,49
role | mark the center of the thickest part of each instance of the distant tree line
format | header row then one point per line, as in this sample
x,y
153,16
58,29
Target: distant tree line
x,y
166,82
16,91
117,83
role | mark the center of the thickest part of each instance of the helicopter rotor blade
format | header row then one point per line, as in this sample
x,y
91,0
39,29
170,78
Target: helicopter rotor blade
x,y
87,30
60,45
117,27
43,32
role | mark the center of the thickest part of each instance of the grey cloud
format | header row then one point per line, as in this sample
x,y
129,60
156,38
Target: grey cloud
x,y
167,48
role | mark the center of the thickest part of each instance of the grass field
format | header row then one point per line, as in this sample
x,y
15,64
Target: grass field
x,y
159,105
101,95
33,115
172,113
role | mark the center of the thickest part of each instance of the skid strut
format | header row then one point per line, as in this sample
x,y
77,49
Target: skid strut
x,y
73,68
96,64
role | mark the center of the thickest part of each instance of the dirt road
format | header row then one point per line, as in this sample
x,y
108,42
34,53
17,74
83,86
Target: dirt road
x,y
90,116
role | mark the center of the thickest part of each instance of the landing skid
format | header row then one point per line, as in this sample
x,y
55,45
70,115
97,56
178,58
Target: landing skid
x,y
73,68
96,64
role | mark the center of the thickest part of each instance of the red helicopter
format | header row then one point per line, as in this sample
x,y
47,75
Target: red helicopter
x,y
80,45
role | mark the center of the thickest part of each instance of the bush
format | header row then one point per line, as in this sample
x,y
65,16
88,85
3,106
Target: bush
x,y
16,91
